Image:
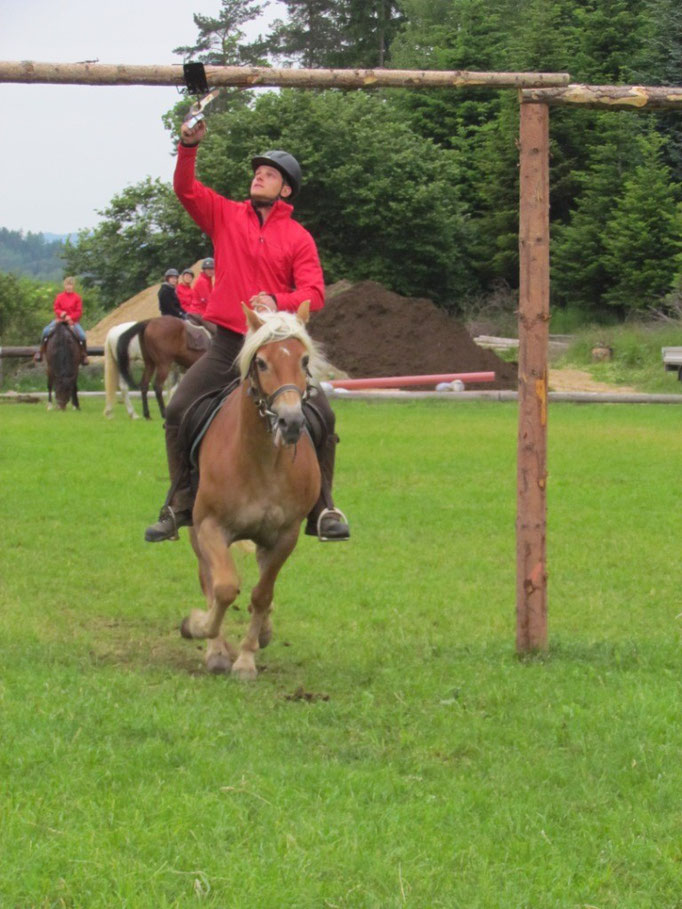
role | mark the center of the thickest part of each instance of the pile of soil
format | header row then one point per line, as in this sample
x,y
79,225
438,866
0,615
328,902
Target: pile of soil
x,y
367,331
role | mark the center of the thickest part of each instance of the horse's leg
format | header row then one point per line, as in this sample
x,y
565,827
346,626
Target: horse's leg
x,y
110,379
220,655
270,562
125,394
159,379
49,392
144,388
220,583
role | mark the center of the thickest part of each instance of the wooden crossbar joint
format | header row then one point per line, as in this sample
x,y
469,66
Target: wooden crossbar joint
x,y
607,97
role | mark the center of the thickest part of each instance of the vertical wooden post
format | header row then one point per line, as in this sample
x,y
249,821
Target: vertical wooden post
x,y
531,517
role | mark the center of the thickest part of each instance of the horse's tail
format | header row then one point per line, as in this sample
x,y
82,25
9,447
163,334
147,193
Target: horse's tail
x,y
122,354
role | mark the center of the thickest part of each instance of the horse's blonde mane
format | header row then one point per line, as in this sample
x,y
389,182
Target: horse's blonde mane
x,y
278,326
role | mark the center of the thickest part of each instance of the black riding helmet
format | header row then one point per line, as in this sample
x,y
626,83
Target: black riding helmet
x,y
286,164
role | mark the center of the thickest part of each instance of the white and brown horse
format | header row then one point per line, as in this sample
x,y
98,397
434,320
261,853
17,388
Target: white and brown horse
x,y
258,479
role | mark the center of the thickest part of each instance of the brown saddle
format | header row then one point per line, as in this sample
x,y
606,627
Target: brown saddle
x,y
198,338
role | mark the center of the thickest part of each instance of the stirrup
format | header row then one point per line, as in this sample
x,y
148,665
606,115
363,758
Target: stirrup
x,y
167,511
334,513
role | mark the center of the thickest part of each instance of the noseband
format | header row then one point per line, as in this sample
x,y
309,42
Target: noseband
x,y
264,402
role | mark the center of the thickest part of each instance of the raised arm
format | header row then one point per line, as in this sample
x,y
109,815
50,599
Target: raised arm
x,y
198,200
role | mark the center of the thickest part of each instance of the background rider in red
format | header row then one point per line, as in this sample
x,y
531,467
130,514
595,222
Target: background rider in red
x,y
184,290
68,307
203,287
267,259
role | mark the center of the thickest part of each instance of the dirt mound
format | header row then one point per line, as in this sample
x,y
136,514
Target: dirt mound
x,y
368,330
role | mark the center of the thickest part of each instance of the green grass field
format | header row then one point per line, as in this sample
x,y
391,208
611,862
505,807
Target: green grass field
x,y
394,751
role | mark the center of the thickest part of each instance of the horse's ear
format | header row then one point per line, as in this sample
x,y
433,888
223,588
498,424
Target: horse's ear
x,y
252,318
303,311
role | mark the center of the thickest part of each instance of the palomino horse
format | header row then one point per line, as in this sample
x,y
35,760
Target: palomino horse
x,y
164,341
62,357
258,479
112,375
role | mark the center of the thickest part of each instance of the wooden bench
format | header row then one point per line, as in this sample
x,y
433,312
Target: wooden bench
x,y
672,360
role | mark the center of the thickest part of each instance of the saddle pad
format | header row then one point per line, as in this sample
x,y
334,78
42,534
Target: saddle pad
x,y
199,416
197,338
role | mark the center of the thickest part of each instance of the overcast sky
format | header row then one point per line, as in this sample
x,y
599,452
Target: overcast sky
x,y
67,149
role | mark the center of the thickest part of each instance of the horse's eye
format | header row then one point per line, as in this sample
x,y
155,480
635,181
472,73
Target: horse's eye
x,y
261,364
305,362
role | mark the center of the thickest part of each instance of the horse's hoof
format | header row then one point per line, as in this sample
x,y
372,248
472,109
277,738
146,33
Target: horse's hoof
x,y
218,663
244,673
184,628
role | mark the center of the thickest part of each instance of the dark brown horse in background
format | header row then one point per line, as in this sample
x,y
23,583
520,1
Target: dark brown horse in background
x,y
164,342
62,358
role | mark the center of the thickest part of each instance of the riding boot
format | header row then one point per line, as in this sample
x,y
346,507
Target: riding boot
x,y
166,528
324,521
39,354
177,509
84,353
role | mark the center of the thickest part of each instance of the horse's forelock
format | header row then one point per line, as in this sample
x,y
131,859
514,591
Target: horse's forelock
x,y
276,326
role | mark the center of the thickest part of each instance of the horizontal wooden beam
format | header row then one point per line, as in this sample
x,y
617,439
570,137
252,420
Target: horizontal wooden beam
x,y
611,97
29,351
28,71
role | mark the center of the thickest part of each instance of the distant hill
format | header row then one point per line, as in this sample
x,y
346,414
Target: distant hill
x,y
51,238
33,255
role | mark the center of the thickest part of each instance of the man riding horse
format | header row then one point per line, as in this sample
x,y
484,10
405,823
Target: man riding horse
x,y
265,257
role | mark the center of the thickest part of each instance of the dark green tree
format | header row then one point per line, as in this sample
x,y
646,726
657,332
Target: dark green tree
x,y
626,210
221,39
380,201
336,33
664,65
312,33
643,237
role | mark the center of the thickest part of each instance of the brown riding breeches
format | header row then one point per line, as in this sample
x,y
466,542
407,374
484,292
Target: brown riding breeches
x,y
216,369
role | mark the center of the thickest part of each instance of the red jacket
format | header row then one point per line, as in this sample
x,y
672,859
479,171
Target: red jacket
x,y
185,294
70,303
279,257
201,291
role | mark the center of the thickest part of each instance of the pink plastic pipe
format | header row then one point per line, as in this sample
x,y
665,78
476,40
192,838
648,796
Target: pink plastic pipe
x,y
406,381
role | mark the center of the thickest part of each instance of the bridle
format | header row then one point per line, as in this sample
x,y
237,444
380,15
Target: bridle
x,y
264,403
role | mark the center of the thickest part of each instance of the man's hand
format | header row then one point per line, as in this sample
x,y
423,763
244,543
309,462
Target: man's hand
x,y
192,135
263,301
